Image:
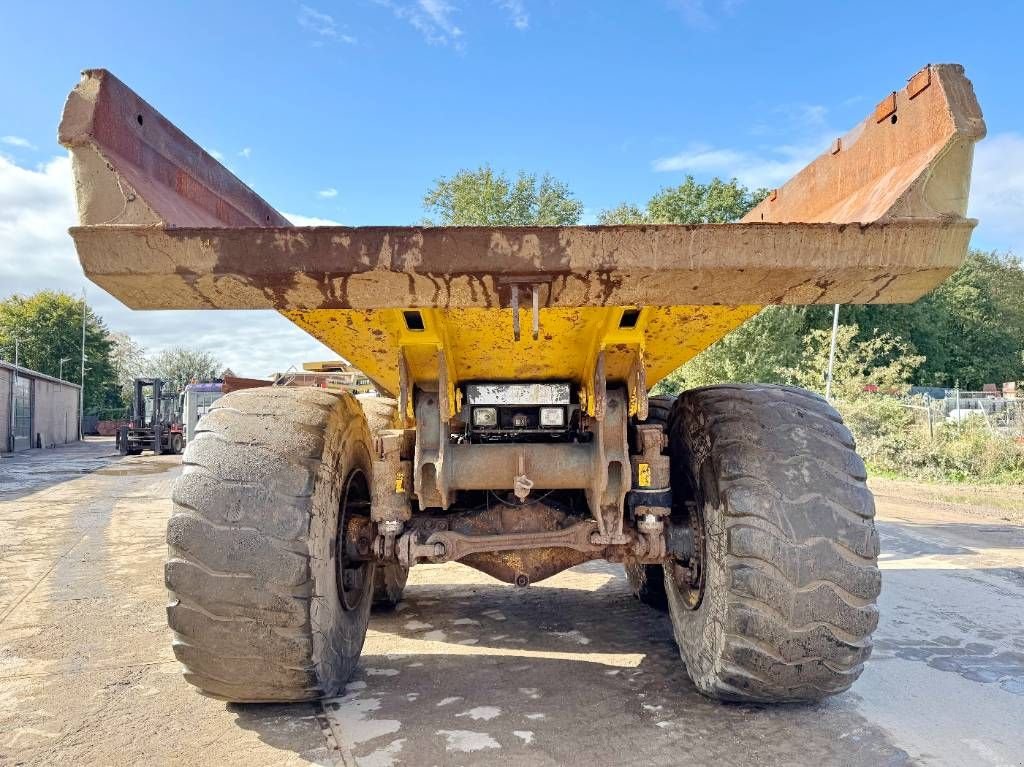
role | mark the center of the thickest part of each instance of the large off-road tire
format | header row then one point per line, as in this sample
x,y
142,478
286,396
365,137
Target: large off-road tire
x,y
648,581
389,579
784,605
264,605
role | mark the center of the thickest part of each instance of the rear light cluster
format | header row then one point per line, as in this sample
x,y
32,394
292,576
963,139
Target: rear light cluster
x,y
548,417
485,416
552,416
503,411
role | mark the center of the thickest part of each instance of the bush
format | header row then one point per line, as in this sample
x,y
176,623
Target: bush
x,y
893,441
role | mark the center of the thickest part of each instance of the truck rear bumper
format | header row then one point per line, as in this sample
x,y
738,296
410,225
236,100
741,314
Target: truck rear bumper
x,y
891,261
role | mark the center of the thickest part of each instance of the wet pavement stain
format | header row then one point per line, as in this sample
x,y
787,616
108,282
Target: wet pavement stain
x,y
466,671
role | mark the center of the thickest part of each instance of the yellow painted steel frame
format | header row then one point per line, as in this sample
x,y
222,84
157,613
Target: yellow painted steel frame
x,y
878,217
479,345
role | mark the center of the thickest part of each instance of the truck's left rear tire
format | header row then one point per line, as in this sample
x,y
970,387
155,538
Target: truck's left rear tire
x,y
264,605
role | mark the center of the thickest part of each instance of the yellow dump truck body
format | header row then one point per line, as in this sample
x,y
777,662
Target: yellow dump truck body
x,y
879,217
523,441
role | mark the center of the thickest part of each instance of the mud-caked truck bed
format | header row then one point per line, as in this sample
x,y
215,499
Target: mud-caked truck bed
x,y
515,432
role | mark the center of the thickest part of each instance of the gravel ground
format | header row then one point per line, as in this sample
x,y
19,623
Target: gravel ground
x,y
468,671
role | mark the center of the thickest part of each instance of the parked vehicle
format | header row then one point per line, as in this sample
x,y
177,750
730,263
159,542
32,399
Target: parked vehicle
x,y
963,414
196,401
155,420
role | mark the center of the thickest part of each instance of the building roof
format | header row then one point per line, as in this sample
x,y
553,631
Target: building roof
x,y
215,386
29,373
328,366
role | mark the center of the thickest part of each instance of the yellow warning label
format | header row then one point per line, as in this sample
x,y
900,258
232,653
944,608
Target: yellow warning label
x,y
643,474
400,482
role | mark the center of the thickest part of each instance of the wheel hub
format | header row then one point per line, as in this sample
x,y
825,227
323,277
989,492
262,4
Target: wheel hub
x,y
352,574
688,575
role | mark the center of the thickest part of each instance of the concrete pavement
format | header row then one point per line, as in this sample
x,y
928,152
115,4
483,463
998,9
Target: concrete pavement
x,y
572,671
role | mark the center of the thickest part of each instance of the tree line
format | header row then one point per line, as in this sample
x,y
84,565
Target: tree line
x,y
968,331
48,327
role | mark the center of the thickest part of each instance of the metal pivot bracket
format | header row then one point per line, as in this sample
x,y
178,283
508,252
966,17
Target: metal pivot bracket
x,y
611,473
534,284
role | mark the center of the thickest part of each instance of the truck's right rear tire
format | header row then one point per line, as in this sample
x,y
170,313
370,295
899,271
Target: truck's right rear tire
x,y
778,603
264,605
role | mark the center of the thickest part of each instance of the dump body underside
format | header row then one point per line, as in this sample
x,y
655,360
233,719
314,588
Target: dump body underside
x,y
877,218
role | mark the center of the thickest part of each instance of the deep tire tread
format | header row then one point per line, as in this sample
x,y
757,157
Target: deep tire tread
x,y
240,568
796,548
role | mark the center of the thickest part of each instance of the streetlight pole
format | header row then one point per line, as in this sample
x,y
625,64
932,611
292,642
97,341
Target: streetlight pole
x,y
60,375
832,353
81,390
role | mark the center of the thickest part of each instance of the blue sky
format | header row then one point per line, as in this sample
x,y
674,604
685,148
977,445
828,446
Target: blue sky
x,y
347,111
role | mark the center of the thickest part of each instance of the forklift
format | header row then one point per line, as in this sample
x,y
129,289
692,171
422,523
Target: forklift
x,y
155,423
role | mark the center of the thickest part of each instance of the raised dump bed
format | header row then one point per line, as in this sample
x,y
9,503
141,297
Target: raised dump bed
x,y
521,439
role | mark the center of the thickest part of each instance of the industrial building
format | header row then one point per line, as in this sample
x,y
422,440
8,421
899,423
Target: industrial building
x,y
36,410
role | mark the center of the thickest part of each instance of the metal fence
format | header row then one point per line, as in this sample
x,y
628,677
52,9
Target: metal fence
x,y
1001,415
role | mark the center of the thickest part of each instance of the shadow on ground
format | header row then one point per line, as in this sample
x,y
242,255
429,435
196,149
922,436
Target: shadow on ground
x,y
575,673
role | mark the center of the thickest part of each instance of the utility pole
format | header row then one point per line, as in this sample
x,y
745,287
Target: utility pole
x,y
81,390
832,353
60,375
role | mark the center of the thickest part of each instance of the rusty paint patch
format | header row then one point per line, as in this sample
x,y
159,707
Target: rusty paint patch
x,y
919,82
885,108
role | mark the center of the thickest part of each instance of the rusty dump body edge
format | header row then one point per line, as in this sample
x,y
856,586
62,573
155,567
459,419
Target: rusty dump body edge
x,y
879,217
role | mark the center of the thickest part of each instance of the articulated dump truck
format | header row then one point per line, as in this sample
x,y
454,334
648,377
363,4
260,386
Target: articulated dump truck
x,y
518,435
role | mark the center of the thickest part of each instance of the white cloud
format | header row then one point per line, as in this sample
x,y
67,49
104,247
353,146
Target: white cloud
x,y
300,220
696,13
245,152
769,168
431,18
218,156
37,207
771,162
516,13
328,193
997,192
18,141
320,23
692,11
323,26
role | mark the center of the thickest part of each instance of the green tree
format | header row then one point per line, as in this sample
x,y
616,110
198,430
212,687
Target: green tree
x,y
624,213
978,320
883,360
717,202
482,197
129,360
761,350
969,329
179,366
49,326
